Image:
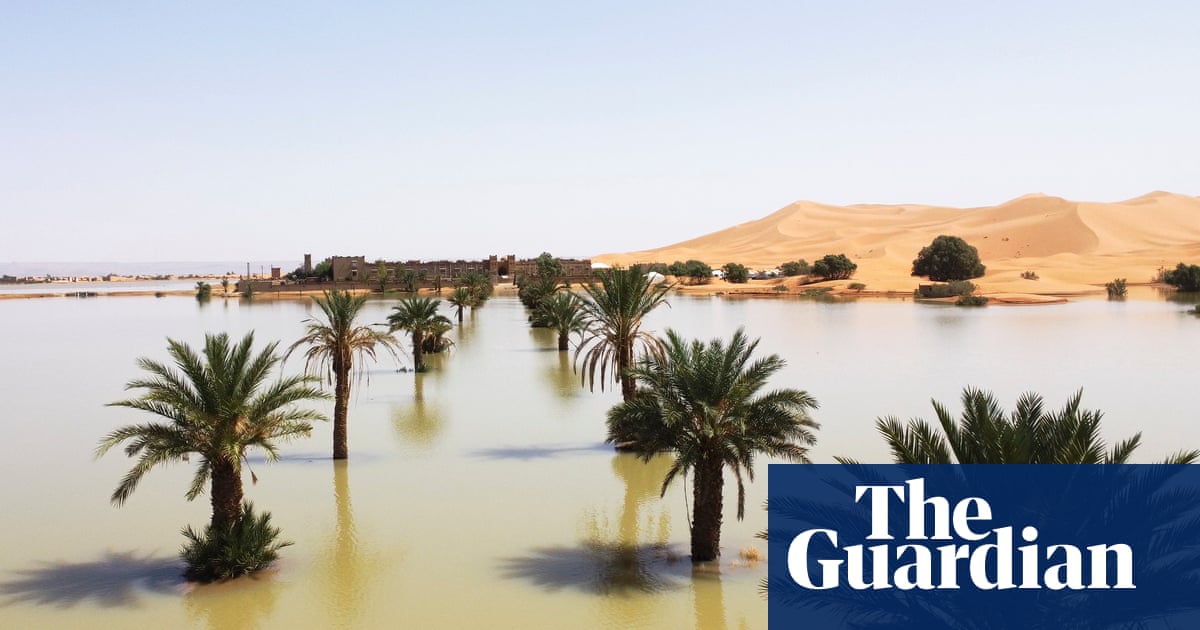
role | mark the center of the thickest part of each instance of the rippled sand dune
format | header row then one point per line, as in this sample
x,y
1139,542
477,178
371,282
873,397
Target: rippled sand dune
x,y
1073,246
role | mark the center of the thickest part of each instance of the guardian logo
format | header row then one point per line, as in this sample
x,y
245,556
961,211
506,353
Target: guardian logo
x,y
963,522
995,547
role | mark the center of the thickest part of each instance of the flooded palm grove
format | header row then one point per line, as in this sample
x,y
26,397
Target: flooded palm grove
x,y
481,493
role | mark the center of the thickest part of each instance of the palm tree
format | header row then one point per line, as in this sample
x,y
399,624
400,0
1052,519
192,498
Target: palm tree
x,y
225,285
614,313
461,298
560,311
480,286
218,407
333,345
418,316
987,434
702,402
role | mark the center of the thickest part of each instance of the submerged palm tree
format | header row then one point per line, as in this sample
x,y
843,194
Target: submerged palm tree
x,y
419,317
461,298
702,402
614,313
333,345
560,311
217,407
987,434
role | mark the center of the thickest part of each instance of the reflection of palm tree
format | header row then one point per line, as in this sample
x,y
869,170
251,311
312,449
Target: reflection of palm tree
x,y
708,598
347,577
418,424
237,605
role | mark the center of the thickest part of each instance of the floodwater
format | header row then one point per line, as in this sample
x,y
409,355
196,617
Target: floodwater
x,y
480,494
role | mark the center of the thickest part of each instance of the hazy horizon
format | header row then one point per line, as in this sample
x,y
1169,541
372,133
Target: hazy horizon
x,y
228,131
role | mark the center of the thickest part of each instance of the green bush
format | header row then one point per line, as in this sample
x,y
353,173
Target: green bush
x,y
957,288
834,267
971,300
1116,289
795,268
247,546
1184,277
779,288
736,273
948,258
1029,275
203,291
697,272
856,286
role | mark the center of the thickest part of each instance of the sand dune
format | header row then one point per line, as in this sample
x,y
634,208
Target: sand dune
x,y
1074,247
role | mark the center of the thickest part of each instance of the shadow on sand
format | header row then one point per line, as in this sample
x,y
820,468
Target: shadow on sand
x,y
117,579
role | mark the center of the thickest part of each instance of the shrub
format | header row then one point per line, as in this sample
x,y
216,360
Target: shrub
x,y
695,271
158,294
1029,275
1116,289
957,288
248,545
948,258
736,273
856,286
795,268
203,291
834,267
779,288
1184,277
971,300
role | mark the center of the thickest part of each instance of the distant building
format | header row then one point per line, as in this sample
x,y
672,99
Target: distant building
x,y
359,269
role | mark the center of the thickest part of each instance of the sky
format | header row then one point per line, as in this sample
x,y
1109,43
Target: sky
x,y
145,131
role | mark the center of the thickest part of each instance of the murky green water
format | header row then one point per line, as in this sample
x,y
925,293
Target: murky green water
x,y
479,494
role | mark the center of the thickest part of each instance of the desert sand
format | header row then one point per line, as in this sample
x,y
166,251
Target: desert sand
x,y
1074,247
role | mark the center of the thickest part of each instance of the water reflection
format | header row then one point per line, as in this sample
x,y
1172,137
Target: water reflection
x,y
417,423
561,377
238,604
708,598
348,567
116,579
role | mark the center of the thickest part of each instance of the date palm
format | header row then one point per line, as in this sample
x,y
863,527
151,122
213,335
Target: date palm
x,y
216,406
987,434
701,401
460,298
333,345
560,311
419,317
614,312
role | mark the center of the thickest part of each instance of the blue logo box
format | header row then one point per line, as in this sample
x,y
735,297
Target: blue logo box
x,y
999,547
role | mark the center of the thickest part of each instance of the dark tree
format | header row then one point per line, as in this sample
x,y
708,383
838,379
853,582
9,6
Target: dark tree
x,y
834,267
795,268
736,273
948,258
1184,277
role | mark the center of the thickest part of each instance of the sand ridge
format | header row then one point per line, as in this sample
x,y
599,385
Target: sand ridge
x,y
1074,247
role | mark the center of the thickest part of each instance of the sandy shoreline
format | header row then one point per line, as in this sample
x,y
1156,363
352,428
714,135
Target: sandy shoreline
x,y
1066,248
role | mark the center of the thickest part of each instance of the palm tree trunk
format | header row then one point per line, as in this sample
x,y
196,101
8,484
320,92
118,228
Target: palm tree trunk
x,y
460,310
564,340
226,493
624,362
341,404
418,337
708,497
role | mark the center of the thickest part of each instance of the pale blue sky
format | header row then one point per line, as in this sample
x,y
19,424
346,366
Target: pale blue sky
x,y
254,130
